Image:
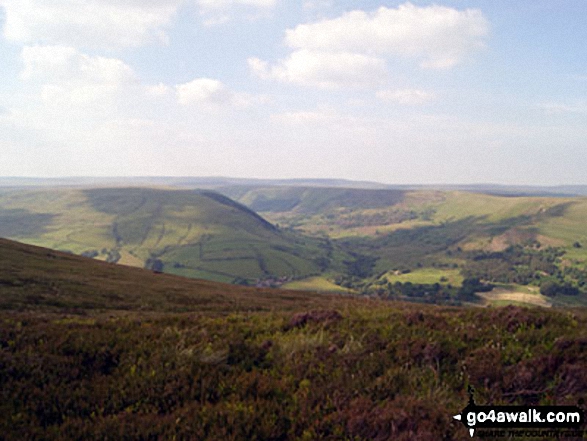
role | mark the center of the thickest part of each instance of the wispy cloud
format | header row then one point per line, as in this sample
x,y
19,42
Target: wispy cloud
x,y
406,96
68,76
211,92
88,23
563,108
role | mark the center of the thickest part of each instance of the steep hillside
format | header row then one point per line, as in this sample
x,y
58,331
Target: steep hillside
x,y
362,241
191,233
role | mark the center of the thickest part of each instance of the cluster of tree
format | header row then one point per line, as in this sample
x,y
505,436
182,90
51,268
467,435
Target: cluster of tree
x,y
154,265
554,287
516,264
528,265
436,293
361,266
112,256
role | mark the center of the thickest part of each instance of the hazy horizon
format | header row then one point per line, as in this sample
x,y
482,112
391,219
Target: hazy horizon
x,y
481,92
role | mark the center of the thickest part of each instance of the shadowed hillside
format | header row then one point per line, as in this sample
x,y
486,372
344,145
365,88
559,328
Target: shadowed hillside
x,y
311,200
533,248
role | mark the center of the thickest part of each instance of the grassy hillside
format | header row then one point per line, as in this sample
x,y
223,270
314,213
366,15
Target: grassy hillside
x,y
435,232
481,222
91,350
195,234
342,213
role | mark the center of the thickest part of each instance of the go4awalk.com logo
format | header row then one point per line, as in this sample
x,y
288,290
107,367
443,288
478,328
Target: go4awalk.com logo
x,y
504,419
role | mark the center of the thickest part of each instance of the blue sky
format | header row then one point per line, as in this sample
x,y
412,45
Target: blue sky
x,y
479,91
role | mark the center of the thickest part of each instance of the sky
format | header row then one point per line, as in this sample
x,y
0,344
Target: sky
x,y
421,92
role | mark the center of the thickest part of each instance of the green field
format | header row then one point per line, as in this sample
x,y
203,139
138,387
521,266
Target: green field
x,y
318,284
350,213
427,276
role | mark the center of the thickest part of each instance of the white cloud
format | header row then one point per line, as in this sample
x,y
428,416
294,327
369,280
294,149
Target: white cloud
x,y
68,76
438,36
65,63
211,92
158,90
203,91
406,96
353,48
88,23
323,69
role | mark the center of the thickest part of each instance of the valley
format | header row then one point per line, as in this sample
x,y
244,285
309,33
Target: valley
x,y
368,241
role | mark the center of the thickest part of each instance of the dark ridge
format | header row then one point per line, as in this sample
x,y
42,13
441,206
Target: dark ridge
x,y
305,199
224,200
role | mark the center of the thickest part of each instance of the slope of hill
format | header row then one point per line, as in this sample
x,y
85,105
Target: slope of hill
x,y
40,279
190,233
492,221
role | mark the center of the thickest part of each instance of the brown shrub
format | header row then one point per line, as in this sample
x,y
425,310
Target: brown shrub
x,y
325,317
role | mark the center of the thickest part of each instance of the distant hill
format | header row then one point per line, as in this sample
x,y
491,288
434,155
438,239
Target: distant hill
x,y
216,182
311,200
180,182
491,219
190,233
325,238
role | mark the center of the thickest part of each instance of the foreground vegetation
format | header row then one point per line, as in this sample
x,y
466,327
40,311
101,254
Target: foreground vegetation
x,y
91,350
369,372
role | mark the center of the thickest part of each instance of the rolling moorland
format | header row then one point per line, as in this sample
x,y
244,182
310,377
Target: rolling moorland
x,y
420,245
93,350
